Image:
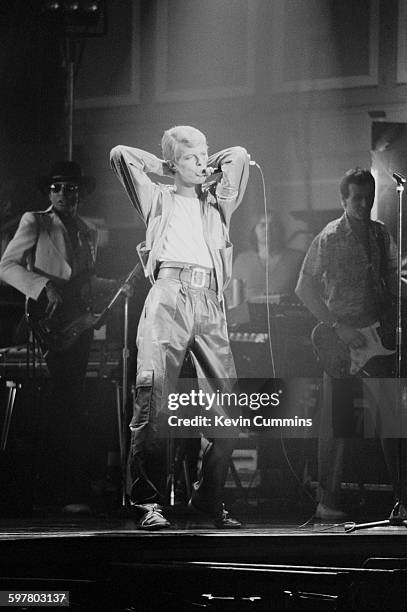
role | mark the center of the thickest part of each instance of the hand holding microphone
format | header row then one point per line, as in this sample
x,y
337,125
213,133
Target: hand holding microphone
x,y
169,168
399,178
208,171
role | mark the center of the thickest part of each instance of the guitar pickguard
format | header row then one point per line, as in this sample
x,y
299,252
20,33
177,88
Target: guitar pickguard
x,y
341,361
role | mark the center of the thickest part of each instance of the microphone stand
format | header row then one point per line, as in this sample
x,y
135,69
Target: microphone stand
x,y
121,399
398,516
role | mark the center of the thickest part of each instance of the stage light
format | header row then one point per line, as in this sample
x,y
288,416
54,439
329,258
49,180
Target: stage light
x,y
72,7
84,8
76,18
52,6
91,7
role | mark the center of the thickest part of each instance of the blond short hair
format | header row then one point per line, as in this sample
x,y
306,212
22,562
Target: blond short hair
x,y
180,134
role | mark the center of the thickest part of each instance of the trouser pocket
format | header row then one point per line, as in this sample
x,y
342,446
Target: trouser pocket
x,y
142,402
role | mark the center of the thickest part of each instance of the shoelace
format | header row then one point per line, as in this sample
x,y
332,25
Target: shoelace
x,y
155,509
224,513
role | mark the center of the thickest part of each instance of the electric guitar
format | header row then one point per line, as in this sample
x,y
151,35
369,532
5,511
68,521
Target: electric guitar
x,y
75,315
340,360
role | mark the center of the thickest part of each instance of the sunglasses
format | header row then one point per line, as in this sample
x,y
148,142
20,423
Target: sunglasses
x,y
66,187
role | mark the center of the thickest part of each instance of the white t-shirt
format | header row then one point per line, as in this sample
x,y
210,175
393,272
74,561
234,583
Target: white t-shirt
x,y
185,239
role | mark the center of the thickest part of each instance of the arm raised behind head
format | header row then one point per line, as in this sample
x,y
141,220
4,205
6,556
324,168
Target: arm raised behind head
x,y
234,163
131,167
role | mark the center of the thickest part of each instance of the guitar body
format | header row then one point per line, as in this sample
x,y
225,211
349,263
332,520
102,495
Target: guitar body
x,y
75,315
71,318
341,361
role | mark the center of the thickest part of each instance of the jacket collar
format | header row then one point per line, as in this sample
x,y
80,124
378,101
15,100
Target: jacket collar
x,y
346,226
50,212
52,222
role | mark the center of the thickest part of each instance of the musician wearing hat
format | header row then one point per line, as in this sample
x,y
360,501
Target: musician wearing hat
x,y
50,250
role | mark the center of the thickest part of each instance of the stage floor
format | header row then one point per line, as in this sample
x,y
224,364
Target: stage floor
x,y
61,525
277,541
107,563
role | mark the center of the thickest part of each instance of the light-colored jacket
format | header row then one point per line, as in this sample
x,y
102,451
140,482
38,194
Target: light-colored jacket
x,y
39,252
155,204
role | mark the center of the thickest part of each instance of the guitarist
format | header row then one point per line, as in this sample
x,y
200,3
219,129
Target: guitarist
x,y
50,248
346,281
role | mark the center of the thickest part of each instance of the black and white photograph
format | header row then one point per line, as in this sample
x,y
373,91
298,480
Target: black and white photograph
x,y
203,305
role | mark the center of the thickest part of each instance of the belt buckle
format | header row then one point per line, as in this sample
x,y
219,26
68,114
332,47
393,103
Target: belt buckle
x,y
198,278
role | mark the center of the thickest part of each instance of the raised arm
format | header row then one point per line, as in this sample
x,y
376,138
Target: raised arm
x,y
131,166
234,163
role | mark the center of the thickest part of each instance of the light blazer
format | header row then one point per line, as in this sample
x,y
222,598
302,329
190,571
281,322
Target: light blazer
x,y
39,252
156,204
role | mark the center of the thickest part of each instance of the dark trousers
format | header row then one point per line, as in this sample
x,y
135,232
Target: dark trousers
x,y
67,428
177,319
381,417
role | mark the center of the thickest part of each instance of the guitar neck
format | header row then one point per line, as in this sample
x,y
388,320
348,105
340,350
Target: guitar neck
x,y
137,271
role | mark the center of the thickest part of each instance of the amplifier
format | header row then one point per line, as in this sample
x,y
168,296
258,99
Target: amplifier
x,y
252,354
104,361
289,342
293,310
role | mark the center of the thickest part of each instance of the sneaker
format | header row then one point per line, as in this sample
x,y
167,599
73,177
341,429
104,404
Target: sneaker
x,y
152,517
221,518
325,513
225,521
398,514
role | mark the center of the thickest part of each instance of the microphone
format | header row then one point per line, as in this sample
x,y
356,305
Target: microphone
x,y
208,171
212,177
399,178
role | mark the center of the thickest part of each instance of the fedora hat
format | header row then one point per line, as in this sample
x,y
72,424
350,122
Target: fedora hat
x,y
67,171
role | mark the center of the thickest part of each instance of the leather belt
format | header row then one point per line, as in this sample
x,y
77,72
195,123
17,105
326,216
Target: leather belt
x,y
193,276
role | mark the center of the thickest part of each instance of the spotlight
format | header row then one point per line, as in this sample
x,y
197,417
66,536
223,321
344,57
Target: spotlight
x,y
77,17
52,6
71,7
91,7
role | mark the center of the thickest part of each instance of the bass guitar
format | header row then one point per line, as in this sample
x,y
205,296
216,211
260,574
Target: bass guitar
x,y
340,360
75,315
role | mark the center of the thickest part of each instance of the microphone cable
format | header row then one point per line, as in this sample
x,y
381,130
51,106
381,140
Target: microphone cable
x,y
283,447
273,368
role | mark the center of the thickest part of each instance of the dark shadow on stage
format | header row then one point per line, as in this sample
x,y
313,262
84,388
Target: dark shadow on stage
x,y
108,563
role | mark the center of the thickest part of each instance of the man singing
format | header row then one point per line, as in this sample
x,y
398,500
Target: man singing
x,y
188,258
